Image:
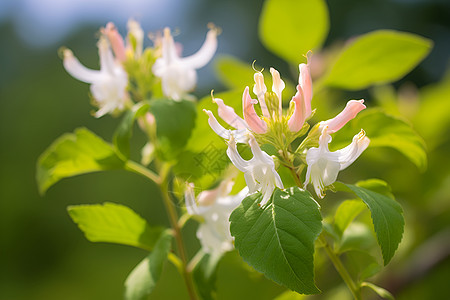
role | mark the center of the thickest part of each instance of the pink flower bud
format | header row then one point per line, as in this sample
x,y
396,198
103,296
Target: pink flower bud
x,y
298,117
116,41
253,121
305,82
350,111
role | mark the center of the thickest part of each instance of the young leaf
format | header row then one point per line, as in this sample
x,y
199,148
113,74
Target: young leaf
x,y
143,278
387,217
124,132
205,275
291,28
377,57
174,123
278,240
114,223
73,154
346,212
385,130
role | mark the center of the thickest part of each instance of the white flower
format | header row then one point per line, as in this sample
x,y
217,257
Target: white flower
x,y
324,166
259,172
178,75
108,85
215,207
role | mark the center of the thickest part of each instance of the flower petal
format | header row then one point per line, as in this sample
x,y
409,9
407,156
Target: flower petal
x,y
189,197
305,82
277,86
235,157
77,70
216,127
259,89
204,54
350,153
298,117
251,118
116,41
228,115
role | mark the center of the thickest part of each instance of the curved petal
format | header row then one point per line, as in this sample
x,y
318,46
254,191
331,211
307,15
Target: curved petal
x,y
204,54
135,30
350,153
350,111
228,115
216,127
251,118
77,70
296,121
235,157
107,62
258,154
277,86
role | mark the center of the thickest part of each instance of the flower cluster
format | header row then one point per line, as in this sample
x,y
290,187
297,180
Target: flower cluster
x,y
281,130
110,84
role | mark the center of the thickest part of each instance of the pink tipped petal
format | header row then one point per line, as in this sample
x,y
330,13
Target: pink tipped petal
x,y
350,111
205,53
208,197
259,89
116,41
107,62
77,70
277,86
253,121
298,117
305,81
228,115
216,127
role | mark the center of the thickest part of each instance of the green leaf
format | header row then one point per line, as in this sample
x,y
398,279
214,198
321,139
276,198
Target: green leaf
x,y
290,295
143,278
205,276
387,217
174,123
385,130
346,212
377,57
114,223
74,154
123,133
377,185
290,28
379,290
278,240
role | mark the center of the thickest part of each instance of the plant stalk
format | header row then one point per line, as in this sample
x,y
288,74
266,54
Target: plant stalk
x,y
340,268
173,218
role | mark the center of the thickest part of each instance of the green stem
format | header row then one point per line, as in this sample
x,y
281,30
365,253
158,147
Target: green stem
x,y
340,268
139,169
173,218
163,182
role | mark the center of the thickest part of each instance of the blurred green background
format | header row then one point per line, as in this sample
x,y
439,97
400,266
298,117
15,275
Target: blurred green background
x,y
43,255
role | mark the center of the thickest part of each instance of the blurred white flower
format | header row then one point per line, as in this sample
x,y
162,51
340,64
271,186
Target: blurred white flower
x,y
178,75
215,207
108,85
